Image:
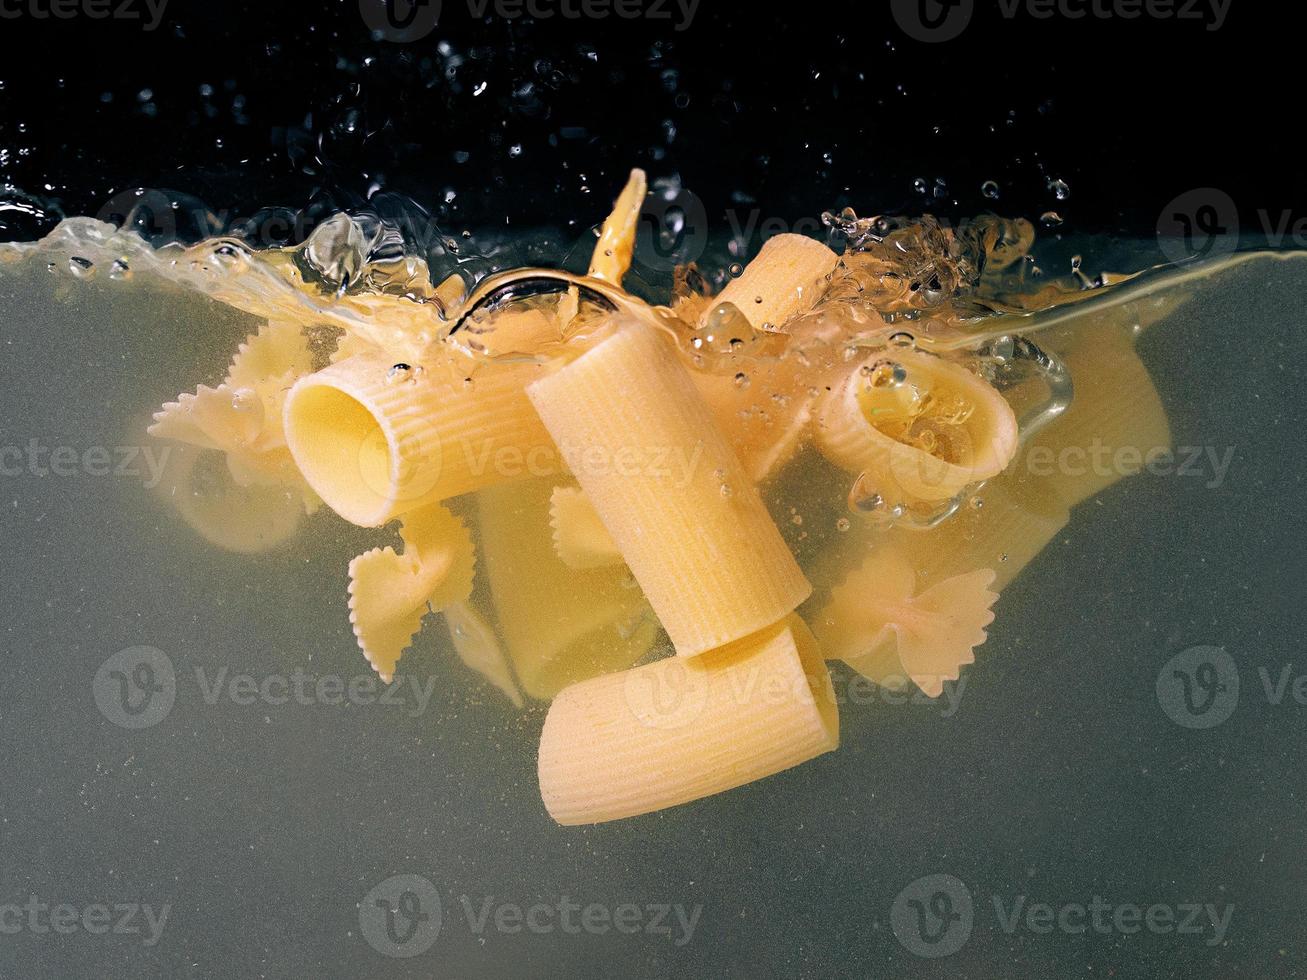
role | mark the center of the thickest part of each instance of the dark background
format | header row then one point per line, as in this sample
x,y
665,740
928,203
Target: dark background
x,y
788,109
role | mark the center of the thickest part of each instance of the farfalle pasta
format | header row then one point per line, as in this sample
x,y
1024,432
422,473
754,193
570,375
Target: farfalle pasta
x,y
665,519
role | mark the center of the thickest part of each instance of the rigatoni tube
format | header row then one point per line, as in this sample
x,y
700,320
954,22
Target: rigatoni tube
x,y
376,439
637,436
680,729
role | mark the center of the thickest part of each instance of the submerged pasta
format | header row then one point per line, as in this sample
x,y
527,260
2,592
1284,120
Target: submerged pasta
x,y
665,519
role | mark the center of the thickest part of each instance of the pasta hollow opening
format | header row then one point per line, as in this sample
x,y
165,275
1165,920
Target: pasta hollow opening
x,y
343,452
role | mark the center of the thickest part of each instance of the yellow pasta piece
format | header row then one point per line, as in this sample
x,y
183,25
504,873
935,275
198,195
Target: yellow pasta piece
x,y
475,643
881,626
1008,529
377,440
786,277
1115,423
764,411
920,428
681,729
390,592
616,245
686,517
245,518
560,624
242,416
580,537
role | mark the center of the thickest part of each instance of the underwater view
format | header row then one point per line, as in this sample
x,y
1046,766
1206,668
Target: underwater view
x,y
671,558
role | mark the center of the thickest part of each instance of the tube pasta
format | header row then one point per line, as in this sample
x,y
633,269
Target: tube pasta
x,y
786,277
580,538
670,490
560,624
881,626
389,592
375,447
1115,422
475,643
681,729
922,438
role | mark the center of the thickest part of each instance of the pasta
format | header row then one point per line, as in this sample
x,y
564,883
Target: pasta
x,y
241,417
580,538
1115,423
560,624
377,440
786,277
670,490
613,456
920,427
681,729
244,519
475,643
389,592
883,627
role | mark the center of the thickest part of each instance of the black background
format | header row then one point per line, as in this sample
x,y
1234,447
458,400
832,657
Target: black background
x,y
782,110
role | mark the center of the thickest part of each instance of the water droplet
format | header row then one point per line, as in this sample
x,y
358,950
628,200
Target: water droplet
x,y
399,373
80,267
843,524
1060,188
741,380
990,189
903,340
1050,219
863,499
885,374
735,270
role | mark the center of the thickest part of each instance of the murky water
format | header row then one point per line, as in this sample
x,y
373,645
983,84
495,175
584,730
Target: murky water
x,y
259,789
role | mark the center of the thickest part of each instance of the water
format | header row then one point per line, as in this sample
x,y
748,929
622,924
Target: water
x,y
276,791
